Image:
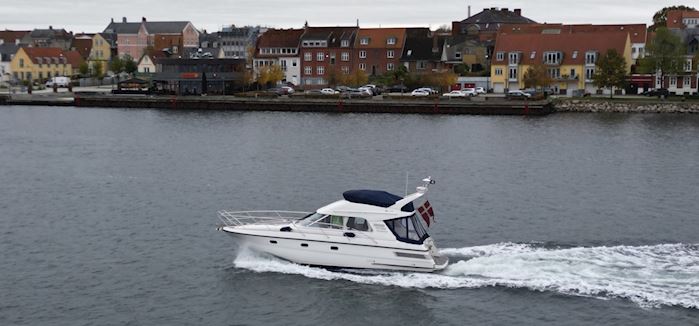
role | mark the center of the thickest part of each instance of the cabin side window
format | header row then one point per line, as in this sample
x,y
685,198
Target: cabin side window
x,y
357,223
408,229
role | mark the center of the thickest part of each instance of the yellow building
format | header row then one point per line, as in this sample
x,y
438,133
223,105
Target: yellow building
x,y
570,58
101,50
40,64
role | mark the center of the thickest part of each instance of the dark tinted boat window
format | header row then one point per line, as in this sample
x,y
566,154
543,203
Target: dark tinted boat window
x,y
408,229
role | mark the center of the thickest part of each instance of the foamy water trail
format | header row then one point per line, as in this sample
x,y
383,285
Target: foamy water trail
x,y
650,276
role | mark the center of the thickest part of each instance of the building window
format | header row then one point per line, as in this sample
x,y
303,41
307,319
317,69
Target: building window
x,y
307,56
513,73
364,41
457,55
390,66
362,66
390,54
514,58
688,65
391,41
362,54
320,56
21,63
345,70
320,70
552,58
573,73
554,73
293,62
687,81
498,71
307,70
421,65
500,56
589,72
344,56
344,43
673,81
590,58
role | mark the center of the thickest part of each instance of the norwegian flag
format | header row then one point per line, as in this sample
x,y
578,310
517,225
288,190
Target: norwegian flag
x,y
426,212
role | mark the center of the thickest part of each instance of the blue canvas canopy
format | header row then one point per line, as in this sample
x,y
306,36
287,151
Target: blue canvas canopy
x,y
375,198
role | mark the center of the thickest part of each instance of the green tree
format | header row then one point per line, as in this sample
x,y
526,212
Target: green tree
x,y
129,64
664,54
116,65
84,69
97,69
610,71
660,17
537,76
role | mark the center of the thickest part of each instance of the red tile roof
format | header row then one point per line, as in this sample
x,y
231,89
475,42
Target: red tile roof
x,y
378,38
566,43
40,55
675,17
11,36
280,38
637,32
82,45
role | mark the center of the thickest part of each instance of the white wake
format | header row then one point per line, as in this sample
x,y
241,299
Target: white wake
x,y
651,276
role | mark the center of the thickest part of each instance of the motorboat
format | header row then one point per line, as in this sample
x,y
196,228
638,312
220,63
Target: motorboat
x,y
367,229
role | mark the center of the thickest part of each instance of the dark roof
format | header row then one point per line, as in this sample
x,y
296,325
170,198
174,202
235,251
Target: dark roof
x,y
419,44
497,16
332,34
122,28
280,38
83,46
109,37
375,198
166,27
50,34
7,50
10,36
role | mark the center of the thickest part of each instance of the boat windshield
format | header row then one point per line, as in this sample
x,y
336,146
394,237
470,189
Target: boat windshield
x,y
308,220
408,229
322,221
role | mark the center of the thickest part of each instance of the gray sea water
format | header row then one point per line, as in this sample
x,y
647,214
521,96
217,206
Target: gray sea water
x,y
107,217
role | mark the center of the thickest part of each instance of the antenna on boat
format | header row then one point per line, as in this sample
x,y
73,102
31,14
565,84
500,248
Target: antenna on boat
x,y
406,184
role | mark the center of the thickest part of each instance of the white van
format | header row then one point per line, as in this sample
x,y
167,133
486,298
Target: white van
x,y
59,81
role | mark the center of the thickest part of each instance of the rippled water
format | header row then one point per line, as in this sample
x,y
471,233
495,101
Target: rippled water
x,y
108,216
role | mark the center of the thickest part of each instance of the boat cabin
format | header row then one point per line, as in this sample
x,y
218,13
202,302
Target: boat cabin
x,y
371,211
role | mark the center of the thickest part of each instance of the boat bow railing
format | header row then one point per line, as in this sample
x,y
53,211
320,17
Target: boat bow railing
x,y
238,218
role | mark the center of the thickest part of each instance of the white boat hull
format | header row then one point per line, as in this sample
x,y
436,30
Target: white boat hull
x,y
340,254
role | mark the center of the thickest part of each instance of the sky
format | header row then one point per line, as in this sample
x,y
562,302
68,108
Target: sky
x,y
94,15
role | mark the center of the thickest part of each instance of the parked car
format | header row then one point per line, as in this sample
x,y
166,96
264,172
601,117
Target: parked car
x,y
469,92
428,90
367,90
397,89
455,94
287,90
329,91
420,92
517,95
480,90
657,92
59,81
375,90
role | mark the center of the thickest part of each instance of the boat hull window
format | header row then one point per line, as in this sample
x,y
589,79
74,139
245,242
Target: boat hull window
x,y
408,229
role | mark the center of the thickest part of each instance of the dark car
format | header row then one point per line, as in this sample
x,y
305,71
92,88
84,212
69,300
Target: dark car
x,y
657,92
397,89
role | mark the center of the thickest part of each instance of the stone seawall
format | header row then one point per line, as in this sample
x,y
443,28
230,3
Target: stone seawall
x,y
626,106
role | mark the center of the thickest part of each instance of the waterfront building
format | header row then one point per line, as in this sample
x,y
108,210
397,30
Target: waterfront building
x,y
37,64
570,59
103,50
279,47
133,39
685,24
7,52
83,44
198,76
422,51
48,38
321,53
376,51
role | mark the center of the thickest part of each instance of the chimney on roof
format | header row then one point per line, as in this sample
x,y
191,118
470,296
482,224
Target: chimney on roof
x,y
123,19
518,12
469,12
50,27
112,19
143,19
455,28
